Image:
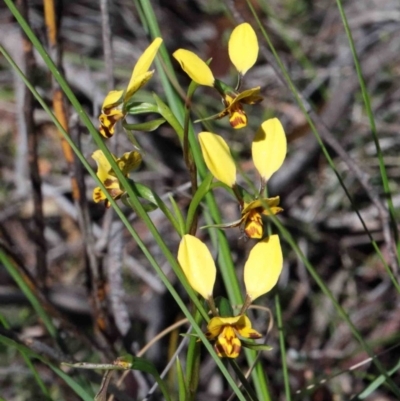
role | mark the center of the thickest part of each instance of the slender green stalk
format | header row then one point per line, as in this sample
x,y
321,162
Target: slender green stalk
x,y
36,375
14,273
282,348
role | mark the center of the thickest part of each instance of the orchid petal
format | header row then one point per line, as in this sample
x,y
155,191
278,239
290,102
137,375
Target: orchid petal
x,y
269,148
263,267
243,47
141,73
195,67
218,157
197,264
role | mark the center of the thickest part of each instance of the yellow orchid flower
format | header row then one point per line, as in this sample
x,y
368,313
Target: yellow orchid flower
x,y
199,268
197,264
268,151
127,162
263,267
226,331
243,52
218,158
113,105
251,215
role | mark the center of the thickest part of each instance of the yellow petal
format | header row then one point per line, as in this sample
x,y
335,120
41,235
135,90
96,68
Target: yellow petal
x,y
103,165
268,205
263,267
112,99
197,264
269,148
244,329
217,323
141,73
243,47
218,157
195,67
129,161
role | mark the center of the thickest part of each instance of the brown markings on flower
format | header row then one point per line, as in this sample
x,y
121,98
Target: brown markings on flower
x,y
108,182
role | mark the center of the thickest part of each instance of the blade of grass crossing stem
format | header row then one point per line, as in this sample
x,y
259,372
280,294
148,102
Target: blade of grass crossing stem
x,y
285,371
97,138
15,274
377,383
36,375
368,108
324,150
224,258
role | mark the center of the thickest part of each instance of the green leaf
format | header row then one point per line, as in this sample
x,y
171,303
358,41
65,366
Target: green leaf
x,y
25,288
142,191
201,192
146,366
166,112
135,108
256,347
179,215
148,126
223,225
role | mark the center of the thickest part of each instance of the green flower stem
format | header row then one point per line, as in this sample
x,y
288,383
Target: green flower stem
x,y
193,361
282,348
238,195
197,198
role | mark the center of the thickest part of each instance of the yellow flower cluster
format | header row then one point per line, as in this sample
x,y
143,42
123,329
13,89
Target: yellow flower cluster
x,y
268,152
261,273
243,53
265,261
114,109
